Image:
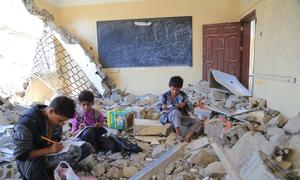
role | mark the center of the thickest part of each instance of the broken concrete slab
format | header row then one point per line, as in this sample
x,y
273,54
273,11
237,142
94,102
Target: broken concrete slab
x,y
261,167
170,168
294,157
214,169
293,125
218,96
274,131
201,113
144,146
114,172
171,139
231,101
148,127
257,102
278,121
201,157
137,157
248,144
196,144
231,136
227,82
214,129
98,170
280,140
158,151
89,162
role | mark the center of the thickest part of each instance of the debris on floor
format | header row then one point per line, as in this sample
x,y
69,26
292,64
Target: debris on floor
x,y
250,133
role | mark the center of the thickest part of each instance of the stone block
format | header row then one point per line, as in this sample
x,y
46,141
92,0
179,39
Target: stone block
x,y
261,167
293,125
158,151
278,121
146,127
274,131
114,172
129,171
257,102
214,129
215,169
98,170
294,157
201,158
248,144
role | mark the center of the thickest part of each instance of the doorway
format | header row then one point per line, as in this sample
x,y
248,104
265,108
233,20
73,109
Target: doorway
x,y
248,24
229,47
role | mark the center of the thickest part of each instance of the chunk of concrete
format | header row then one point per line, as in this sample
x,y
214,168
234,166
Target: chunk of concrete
x,y
98,170
280,140
214,129
144,146
196,144
278,121
234,134
201,158
257,102
272,131
158,151
146,127
293,125
247,145
217,95
294,157
171,139
129,171
259,166
114,172
215,169
137,157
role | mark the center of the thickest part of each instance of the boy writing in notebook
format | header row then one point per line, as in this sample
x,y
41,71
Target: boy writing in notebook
x,y
174,107
91,120
38,133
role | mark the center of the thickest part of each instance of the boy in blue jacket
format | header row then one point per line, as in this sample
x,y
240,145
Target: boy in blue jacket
x,y
174,106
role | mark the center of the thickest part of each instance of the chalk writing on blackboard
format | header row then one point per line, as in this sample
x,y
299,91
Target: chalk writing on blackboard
x,y
145,42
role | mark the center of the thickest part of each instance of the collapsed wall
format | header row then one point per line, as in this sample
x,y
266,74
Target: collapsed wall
x,y
62,63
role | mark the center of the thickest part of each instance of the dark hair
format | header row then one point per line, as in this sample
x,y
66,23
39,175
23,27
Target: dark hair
x,y
63,106
176,81
86,96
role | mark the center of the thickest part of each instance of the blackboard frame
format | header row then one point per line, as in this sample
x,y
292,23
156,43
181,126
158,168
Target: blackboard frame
x,y
147,42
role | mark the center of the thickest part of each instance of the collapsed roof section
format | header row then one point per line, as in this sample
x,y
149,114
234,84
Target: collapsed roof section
x,y
62,63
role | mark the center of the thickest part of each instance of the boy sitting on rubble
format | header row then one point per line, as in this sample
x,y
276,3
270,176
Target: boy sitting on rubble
x,y
91,120
174,106
38,133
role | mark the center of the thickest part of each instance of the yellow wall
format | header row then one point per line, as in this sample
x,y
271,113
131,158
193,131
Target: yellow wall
x,y
277,52
81,20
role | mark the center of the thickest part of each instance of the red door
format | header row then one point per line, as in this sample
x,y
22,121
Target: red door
x,y
221,48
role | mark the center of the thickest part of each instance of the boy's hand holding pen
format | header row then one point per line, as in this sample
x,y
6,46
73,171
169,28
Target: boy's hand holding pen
x,y
55,147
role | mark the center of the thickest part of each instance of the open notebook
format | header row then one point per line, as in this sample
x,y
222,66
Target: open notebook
x,y
80,132
67,144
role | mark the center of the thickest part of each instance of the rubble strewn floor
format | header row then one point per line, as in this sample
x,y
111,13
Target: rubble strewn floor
x,y
248,131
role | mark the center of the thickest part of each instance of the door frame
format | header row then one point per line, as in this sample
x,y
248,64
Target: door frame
x,y
245,44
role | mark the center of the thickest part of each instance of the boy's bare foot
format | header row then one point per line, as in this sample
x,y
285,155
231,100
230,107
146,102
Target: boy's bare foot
x,y
188,137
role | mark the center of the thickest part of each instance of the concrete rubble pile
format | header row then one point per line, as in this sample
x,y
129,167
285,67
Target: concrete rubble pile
x,y
248,132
